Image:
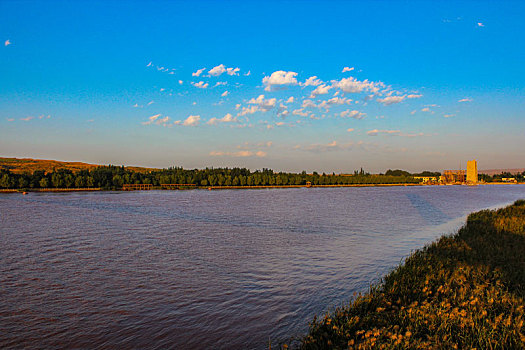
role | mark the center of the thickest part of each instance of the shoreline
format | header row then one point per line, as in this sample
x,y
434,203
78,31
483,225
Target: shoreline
x,y
465,290
160,188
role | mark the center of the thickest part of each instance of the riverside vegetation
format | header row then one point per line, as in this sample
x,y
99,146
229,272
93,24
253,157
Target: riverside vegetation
x,y
464,291
113,177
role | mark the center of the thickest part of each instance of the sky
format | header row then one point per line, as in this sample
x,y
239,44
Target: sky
x,y
327,86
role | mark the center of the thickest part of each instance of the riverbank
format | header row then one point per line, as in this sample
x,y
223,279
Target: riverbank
x,y
191,187
463,291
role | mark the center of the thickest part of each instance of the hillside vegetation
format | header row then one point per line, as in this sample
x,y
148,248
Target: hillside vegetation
x,y
29,166
463,291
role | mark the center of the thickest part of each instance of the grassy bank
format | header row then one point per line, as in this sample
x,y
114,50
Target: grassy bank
x,y
463,291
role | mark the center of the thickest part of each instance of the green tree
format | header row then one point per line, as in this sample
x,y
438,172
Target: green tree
x,y
56,180
44,182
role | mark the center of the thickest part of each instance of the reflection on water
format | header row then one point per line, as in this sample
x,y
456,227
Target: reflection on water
x,y
206,269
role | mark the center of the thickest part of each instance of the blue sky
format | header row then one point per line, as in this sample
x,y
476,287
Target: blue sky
x,y
427,85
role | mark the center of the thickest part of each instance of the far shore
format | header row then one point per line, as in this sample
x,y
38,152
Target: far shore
x,y
158,188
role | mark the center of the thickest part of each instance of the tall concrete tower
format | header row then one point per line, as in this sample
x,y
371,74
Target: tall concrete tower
x,y
472,172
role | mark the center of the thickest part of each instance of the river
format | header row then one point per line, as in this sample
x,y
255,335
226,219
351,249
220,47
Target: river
x,y
196,269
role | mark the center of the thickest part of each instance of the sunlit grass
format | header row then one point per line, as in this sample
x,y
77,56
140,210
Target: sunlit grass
x,y
463,291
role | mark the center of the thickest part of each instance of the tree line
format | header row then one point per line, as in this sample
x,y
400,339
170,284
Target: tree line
x,y
114,177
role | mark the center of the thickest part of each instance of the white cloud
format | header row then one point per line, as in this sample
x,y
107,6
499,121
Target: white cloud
x,y
414,96
136,105
480,24
352,114
152,119
221,68
217,70
44,116
233,71
163,121
7,42
320,90
200,85
301,112
198,72
225,93
308,103
426,109
389,100
350,129
26,119
279,79
150,103
264,105
312,81
180,82
10,119
413,112
466,99
219,83
228,118
244,153
449,115
290,99
347,69
376,132
334,101
248,110
248,73
326,147
352,85
192,120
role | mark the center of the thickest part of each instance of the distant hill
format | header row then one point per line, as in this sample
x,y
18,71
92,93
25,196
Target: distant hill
x,y
499,171
28,165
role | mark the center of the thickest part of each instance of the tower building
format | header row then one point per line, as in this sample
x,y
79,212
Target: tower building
x,y
472,172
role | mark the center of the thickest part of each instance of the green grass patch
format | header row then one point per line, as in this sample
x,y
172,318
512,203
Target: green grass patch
x,y
463,291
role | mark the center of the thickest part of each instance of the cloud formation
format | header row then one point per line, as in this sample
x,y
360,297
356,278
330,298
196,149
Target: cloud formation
x,y
200,85
198,72
264,105
155,119
312,81
466,99
352,85
279,80
192,120
352,114
7,42
244,153
228,118
320,90
347,69
376,132
389,100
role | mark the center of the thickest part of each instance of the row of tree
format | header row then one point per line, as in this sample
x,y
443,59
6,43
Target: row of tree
x,y
114,177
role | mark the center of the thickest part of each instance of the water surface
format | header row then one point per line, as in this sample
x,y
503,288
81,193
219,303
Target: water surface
x,y
226,269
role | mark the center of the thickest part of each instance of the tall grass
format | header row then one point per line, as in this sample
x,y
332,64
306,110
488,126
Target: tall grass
x,y
463,291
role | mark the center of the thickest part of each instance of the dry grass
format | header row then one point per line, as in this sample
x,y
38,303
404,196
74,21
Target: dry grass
x,y
463,291
28,166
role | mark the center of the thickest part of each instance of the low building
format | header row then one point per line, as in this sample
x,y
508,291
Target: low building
x,y
426,179
453,176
